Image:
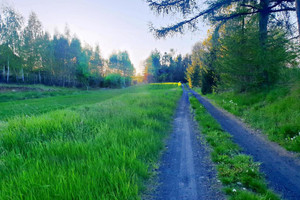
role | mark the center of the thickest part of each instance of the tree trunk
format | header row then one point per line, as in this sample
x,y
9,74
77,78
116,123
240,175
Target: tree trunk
x,y
63,79
3,73
298,15
263,36
40,78
22,72
263,21
7,77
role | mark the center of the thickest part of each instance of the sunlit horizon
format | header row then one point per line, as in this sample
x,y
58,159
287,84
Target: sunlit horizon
x,y
114,25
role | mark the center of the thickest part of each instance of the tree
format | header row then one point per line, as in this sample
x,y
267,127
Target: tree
x,y
30,54
121,62
10,37
152,66
244,64
33,35
219,11
75,50
202,70
61,50
166,68
48,59
96,67
195,69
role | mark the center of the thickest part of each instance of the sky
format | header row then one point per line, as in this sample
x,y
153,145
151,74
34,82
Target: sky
x,y
113,24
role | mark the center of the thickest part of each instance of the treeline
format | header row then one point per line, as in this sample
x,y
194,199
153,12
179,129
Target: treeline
x,y
166,67
251,45
236,57
30,55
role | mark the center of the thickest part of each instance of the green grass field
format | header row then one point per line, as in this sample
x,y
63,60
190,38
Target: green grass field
x,y
36,102
93,145
276,112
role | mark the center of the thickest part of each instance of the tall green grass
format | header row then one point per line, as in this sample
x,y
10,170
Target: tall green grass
x,y
276,112
60,100
97,151
17,95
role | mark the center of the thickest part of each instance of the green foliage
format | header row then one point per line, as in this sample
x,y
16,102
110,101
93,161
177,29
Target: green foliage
x,y
274,111
238,172
100,151
244,64
13,96
165,68
193,75
30,55
201,72
121,62
208,81
114,81
44,101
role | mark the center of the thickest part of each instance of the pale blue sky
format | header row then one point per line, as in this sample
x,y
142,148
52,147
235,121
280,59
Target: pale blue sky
x,y
113,24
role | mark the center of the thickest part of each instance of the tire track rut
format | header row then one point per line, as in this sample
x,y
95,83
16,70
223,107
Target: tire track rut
x,y
186,171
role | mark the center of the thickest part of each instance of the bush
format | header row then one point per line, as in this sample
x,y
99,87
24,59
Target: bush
x,y
114,81
117,81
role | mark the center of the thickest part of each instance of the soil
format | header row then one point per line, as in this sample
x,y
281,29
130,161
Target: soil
x,y
186,171
282,168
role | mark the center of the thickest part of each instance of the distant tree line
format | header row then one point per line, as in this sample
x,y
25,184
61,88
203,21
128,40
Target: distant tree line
x,y
251,45
166,67
30,55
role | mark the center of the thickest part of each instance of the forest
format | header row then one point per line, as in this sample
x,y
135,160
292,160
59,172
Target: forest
x,y
251,46
30,55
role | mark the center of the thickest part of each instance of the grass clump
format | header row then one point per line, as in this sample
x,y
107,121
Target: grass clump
x,y
94,151
276,112
238,172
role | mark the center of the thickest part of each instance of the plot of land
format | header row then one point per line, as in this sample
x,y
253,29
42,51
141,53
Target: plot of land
x,y
71,144
101,148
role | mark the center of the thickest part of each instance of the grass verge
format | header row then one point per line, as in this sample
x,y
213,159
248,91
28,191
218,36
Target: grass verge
x,y
99,151
276,112
238,172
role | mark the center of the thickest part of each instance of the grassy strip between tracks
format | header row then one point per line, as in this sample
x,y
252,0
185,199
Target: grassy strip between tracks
x,y
96,151
238,173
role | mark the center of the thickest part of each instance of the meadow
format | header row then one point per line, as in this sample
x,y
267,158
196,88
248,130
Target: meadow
x,y
37,102
93,145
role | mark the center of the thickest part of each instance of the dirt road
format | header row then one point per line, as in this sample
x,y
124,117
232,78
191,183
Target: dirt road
x,y
282,168
186,171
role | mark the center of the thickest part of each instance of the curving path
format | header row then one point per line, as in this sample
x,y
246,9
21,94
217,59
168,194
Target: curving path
x,y
282,168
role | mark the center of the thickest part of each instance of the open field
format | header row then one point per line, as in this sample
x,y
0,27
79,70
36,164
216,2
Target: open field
x,y
37,102
96,145
12,92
